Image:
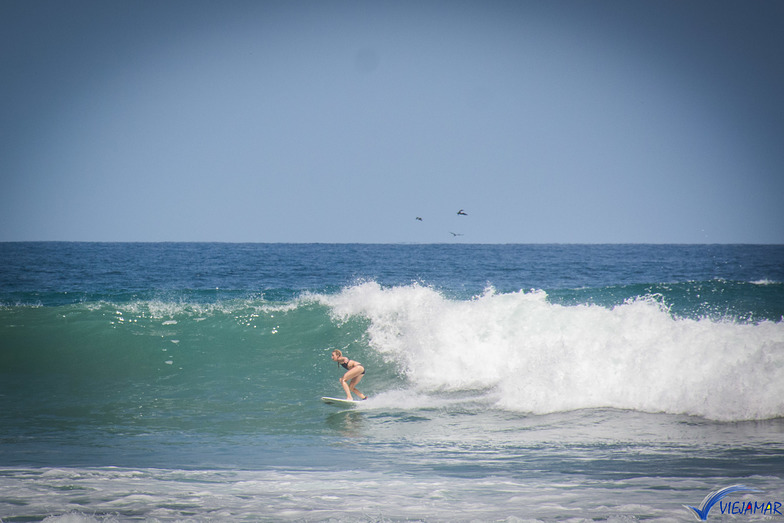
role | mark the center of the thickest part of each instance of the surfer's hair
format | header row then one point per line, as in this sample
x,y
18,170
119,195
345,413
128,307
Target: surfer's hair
x,y
340,355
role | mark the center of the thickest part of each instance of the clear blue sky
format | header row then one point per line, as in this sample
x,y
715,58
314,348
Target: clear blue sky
x,y
342,121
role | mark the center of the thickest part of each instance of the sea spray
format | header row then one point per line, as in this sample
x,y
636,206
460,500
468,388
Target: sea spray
x,y
536,356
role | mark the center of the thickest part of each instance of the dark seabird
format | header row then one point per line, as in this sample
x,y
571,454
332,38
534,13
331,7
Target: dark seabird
x,y
418,218
461,212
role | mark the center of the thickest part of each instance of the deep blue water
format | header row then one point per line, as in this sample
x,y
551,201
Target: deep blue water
x,y
553,382
106,268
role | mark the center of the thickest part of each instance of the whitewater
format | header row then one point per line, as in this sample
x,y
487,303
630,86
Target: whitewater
x,y
539,357
181,382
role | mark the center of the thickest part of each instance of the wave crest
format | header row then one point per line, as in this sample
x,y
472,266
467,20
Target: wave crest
x,y
531,355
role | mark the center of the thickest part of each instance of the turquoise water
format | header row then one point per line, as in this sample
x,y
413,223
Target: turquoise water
x,y
167,382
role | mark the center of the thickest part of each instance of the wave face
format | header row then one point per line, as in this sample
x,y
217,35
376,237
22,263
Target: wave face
x,y
531,355
165,365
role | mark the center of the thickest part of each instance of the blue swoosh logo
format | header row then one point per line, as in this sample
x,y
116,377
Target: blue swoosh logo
x,y
714,497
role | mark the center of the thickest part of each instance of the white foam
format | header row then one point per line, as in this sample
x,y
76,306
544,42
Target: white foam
x,y
108,495
539,357
77,517
764,281
170,313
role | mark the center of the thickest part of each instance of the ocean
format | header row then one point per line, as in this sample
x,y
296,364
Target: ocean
x,y
181,382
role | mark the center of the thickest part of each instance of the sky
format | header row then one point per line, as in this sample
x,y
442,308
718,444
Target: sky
x,y
560,121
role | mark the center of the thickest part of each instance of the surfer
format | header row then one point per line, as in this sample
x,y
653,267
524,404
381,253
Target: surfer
x,y
354,373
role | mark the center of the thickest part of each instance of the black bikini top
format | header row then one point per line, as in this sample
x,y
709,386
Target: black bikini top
x,y
345,365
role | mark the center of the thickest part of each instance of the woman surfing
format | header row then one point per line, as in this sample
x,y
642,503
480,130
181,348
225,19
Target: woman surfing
x,y
354,373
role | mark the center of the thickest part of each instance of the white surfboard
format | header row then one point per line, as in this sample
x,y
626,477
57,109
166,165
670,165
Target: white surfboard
x,y
338,402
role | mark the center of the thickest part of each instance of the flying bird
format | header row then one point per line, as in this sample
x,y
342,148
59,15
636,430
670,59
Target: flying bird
x,y
418,218
455,234
461,212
